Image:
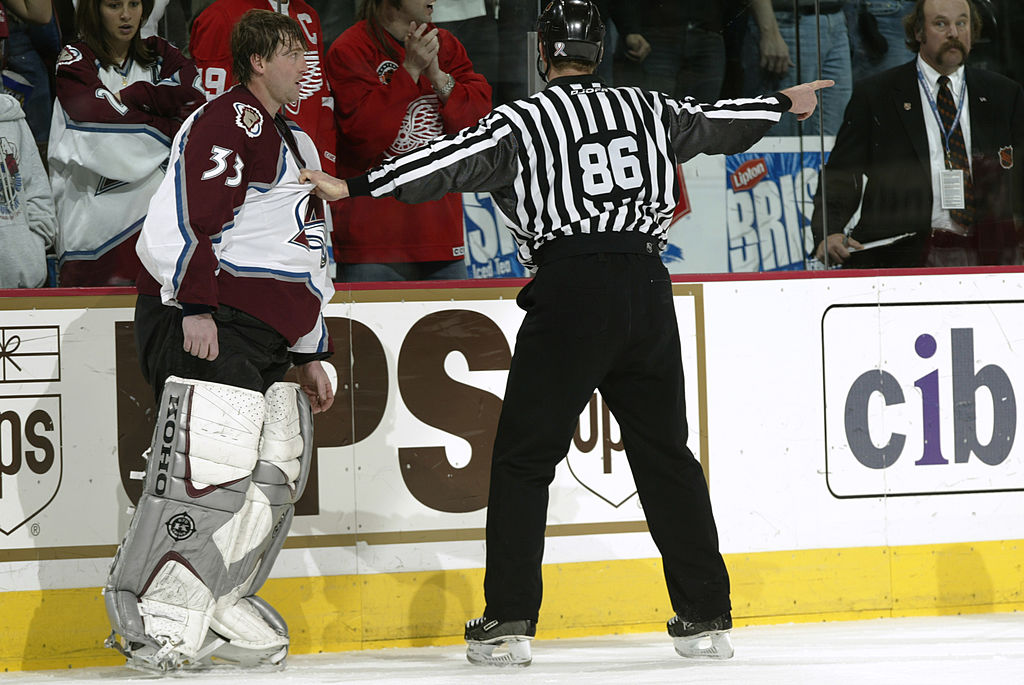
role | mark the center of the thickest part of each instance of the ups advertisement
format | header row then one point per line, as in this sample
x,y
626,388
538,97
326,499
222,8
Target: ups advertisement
x,y
403,455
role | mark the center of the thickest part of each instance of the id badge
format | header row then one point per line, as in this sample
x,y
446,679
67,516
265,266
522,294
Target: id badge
x,y
951,184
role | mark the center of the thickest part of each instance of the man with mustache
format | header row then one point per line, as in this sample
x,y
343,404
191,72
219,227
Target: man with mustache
x,y
927,151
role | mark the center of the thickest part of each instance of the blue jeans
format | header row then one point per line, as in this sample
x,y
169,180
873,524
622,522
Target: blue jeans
x,y
479,35
685,61
888,16
402,271
835,65
24,58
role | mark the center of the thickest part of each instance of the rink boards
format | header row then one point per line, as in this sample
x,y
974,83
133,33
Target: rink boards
x,y
859,434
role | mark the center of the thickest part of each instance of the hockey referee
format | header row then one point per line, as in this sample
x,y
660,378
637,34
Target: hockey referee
x,y
585,177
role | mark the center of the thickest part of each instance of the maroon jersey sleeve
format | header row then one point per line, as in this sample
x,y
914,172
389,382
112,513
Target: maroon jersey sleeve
x,y
84,97
176,94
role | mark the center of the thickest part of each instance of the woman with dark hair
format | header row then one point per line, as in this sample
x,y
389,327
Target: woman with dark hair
x,y
399,82
120,100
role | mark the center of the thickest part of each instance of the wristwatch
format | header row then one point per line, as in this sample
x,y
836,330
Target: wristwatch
x,y
446,88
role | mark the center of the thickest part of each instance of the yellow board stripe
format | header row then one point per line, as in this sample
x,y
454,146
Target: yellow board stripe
x,y
65,628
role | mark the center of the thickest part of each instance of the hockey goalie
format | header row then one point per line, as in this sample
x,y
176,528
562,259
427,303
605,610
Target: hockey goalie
x,y
232,296
224,471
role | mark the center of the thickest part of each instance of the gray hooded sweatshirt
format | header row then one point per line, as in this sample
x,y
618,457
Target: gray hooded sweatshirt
x,y
27,218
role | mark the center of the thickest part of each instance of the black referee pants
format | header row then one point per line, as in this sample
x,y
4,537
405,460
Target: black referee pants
x,y
602,321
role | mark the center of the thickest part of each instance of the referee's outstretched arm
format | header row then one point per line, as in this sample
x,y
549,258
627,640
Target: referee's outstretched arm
x,y
424,167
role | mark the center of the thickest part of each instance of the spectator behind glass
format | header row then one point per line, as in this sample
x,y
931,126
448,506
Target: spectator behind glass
x,y
120,100
877,41
31,53
516,19
399,83
335,17
687,56
472,22
210,47
624,47
943,201
773,57
27,221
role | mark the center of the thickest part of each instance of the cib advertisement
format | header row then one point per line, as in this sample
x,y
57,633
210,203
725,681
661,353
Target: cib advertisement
x,y
923,399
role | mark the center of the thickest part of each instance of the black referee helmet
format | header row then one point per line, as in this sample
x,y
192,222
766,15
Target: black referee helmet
x,y
570,30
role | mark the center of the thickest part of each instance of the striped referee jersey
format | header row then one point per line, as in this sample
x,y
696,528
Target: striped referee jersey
x,y
577,158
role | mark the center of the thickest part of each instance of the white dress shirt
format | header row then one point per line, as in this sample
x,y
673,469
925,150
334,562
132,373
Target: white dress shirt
x,y
936,139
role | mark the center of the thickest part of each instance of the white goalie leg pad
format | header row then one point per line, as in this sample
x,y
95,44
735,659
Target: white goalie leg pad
x,y
285,453
173,563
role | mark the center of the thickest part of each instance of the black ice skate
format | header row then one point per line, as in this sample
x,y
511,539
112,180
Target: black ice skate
x,y
499,643
702,639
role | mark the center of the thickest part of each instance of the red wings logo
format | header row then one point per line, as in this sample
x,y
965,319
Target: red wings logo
x,y
422,124
249,119
312,80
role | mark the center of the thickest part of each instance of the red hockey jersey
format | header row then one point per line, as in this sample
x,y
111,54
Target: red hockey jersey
x,y
381,112
210,45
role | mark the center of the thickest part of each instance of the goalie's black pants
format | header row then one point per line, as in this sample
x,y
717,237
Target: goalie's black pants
x,y
252,355
604,321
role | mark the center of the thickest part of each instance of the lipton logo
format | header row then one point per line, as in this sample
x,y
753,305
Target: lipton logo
x,y
749,174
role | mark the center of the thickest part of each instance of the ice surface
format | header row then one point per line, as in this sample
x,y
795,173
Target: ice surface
x,y
951,650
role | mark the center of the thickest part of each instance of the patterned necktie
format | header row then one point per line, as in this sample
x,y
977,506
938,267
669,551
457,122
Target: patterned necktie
x,y
957,155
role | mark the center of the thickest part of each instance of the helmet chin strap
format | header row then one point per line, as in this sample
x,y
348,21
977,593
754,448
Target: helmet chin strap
x,y
541,63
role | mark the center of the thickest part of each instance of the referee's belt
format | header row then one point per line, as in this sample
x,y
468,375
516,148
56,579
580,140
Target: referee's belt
x,y
622,242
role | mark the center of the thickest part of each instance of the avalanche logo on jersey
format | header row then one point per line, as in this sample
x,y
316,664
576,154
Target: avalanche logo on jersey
x,y
385,70
69,55
107,184
11,182
422,123
312,233
249,119
312,80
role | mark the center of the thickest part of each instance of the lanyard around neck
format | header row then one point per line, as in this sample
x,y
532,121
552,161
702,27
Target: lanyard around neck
x,y
935,108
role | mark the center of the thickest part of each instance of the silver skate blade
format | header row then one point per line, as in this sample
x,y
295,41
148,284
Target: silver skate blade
x,y
146,663
509,651
229,657
714,644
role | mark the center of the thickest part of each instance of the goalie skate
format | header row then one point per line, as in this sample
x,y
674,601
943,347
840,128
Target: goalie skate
x,y
491,642
702,639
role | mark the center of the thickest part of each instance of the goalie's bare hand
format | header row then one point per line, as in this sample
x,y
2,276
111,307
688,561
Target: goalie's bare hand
x,y
317,385
200,331
805,97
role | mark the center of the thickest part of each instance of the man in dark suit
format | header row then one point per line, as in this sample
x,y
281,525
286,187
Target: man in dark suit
x,y
937,143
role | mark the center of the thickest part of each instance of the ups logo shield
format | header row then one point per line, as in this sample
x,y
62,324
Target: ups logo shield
x,y
31,461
